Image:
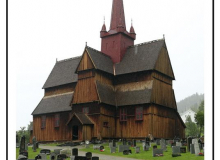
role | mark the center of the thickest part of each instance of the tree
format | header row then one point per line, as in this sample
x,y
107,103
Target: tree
x,y
24,132
191,127
199,117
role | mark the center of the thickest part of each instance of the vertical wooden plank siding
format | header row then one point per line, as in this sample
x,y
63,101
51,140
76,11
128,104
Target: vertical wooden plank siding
x,y
163,64
85,63
50,132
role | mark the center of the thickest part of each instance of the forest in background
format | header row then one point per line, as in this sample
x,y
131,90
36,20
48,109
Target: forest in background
x,y
192,102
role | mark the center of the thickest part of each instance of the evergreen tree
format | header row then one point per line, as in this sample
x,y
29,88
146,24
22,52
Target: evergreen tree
x,y
199,117
191,127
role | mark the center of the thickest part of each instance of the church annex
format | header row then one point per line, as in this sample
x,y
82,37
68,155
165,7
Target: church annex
x,y
122,91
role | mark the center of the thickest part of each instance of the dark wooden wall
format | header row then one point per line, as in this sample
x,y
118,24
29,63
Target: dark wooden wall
x,y
50,132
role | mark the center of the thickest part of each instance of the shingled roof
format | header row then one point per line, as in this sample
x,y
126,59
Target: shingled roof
x,y
63,73
83,118
107,95
52,104
141,57
133,97
101,61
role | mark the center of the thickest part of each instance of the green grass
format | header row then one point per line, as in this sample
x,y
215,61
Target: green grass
x,y
147,155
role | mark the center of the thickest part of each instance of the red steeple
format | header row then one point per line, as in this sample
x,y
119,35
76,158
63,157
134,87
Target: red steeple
x,y
117,39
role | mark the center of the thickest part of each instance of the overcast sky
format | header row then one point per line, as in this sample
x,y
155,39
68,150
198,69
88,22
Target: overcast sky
x,y
43,30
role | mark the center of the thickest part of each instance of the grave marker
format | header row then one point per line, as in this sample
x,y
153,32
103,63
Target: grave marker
x,y
192,149
163,145
137,149
176,151
196,147
157,152
112,149
57,151
53,156
75,152
34,144
189,141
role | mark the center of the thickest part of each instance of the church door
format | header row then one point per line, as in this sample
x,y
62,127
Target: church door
x,y
75,133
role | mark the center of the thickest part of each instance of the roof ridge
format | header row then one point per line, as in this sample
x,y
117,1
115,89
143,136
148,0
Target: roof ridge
x,y
98,51
140,44
68,59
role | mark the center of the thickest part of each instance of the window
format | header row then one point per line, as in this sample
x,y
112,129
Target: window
x,y
105,124
85,110
123,114
57,120
139,113
43,121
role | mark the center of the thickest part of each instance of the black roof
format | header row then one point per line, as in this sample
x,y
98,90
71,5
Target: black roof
x,y
52,104
101,61
141,57
63,73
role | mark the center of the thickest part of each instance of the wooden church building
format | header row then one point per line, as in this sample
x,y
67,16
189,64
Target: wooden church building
x,y
122,91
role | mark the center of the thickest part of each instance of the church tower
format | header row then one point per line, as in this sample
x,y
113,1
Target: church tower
x,y
117,39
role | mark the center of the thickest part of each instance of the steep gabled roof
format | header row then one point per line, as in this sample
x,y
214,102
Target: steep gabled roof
x,y
53,104
83,118
141,57
63,73
100,60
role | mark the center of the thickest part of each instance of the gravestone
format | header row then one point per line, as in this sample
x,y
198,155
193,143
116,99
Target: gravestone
x,y
163,145
96,147
182,149
147,139
196,147
110,144
158,141
75,152
43,156
95,158
192,149
137,149
102,148
189,141
124,141
23,147
57,151
130,143
34,144
113,143
37,157
112,149
17,141
53,156
176,151
66,151
146,148
72,157
46,151
61,157
80,158
126,152
89,155
178,144
157,152
134,142
22,157
123,147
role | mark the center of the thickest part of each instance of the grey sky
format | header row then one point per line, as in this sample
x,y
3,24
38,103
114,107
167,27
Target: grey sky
x,y
42,31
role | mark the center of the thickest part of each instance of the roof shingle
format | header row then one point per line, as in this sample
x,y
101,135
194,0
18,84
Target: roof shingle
x,y
52,104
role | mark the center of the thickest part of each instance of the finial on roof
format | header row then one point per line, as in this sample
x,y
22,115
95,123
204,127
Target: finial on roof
x,y
131,22
163,36
86,44
104,20
56,59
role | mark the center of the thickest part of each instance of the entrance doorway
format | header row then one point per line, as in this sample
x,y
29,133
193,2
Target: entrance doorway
x,y
75,133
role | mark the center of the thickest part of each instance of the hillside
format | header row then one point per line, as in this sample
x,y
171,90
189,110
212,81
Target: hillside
x,y
192,102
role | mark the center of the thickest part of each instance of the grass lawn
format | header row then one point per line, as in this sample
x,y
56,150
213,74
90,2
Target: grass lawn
x,y
147,155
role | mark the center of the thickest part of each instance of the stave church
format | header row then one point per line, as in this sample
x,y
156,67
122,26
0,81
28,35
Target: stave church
x,y
122,91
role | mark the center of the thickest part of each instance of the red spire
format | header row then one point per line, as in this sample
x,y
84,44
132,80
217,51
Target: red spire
x,y
118,16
